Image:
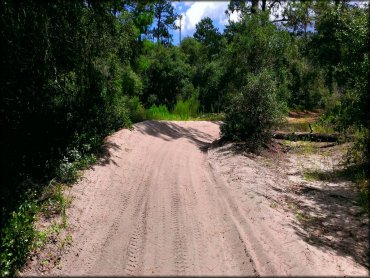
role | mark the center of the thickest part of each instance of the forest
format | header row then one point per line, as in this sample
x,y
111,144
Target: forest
x,y
73,72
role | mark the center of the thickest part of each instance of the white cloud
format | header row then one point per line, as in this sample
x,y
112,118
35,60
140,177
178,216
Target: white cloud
x,y
198,10
360,4
234,16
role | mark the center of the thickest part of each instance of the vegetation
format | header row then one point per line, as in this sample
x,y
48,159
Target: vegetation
x,y
75,71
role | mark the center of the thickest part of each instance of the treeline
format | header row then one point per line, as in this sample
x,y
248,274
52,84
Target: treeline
x,y
72,72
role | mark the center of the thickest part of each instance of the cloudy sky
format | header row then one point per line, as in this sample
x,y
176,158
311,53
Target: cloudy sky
x,y
193,12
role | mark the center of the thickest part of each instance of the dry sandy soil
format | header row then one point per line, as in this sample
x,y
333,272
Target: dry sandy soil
x,y
166,201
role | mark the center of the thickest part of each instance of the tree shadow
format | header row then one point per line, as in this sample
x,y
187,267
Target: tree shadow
x,y
105,154
247,149
330,217
327,208
170,131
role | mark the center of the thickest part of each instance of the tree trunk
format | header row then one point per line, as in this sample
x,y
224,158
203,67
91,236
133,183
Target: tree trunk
x,y
263,5
254,7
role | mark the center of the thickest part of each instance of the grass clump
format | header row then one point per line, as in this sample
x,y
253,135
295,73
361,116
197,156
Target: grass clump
x,y
184,110
187,109
160,113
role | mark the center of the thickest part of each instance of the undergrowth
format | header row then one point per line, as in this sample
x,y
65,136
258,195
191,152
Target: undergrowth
x,y
183,111
19,235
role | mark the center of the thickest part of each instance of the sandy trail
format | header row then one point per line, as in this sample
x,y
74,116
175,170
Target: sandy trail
x,y
153,208
159,204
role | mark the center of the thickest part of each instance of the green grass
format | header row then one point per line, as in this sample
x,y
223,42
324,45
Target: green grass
x,y
161,113
182,112
301,147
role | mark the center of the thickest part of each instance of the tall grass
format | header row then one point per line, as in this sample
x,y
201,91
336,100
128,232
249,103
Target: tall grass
x,y
183,110
187,109
160,113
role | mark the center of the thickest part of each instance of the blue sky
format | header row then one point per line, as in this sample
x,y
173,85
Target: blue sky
x,y
194,11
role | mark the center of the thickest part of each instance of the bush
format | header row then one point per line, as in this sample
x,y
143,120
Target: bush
x,y
17,238
254,111
136,110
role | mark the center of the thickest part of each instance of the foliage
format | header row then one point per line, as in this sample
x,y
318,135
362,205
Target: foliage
x,y
160,113
208,35
209,79
167,77
165,17
188,108
191,48
257,80
17,238
136,110
183,110
255,111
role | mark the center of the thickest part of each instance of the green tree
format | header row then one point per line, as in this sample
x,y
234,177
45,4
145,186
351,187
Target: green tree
x,y
209,36
257,62
167,77
192,49
299,16
165,17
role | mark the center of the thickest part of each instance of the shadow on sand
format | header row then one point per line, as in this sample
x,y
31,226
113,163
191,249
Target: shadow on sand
x,y
334,220
169,131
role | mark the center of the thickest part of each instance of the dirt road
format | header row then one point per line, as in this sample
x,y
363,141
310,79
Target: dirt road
x,y
156,205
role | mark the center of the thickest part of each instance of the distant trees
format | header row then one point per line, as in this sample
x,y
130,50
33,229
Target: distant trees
x,y
322,67
208,36
165,17
167,76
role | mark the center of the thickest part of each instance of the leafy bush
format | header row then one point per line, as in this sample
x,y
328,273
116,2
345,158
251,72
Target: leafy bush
x,y
67,171
17,238
255,111
136,110
167,77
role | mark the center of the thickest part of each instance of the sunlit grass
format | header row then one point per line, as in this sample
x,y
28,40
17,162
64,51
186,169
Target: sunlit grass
x,y
182,112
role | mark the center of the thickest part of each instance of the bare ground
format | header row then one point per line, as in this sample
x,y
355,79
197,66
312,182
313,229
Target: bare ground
x,y
165,201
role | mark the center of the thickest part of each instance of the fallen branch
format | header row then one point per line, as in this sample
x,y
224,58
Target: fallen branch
x,y
306,136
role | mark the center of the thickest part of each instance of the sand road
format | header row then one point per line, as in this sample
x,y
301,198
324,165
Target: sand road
x,y
155,208
156,205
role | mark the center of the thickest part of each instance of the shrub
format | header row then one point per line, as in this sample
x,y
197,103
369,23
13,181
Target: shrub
x,y
254,111
17,238
136,110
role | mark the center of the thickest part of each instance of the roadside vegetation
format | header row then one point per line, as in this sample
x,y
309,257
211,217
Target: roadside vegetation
x,y
73,72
